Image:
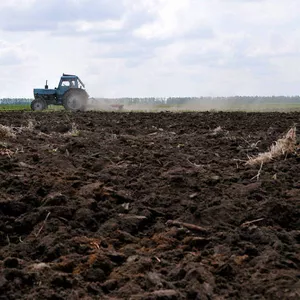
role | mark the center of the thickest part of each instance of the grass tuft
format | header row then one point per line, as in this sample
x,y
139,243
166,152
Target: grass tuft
x,y
282,147
6,132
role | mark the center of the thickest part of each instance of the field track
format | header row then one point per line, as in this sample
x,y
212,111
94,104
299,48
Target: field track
x,y
104,205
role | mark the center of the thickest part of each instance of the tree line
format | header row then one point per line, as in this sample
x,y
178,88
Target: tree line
x,y
179,100
231,100
15,101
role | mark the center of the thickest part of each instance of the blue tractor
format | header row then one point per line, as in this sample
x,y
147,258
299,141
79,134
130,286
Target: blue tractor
x,y
70,93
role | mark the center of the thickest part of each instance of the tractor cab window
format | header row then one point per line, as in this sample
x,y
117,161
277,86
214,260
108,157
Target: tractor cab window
x,y
65,83
73,83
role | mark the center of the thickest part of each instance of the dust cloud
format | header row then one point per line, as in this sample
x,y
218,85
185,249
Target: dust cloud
x,y
101,104
259,104
113,104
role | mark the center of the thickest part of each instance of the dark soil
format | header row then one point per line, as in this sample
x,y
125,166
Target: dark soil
x,y
87,213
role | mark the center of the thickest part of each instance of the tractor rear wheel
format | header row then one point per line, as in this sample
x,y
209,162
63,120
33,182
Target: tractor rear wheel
x,y
38,104
75,100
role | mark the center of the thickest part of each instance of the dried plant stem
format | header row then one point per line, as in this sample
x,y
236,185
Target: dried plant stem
x,y
43,224
187,225
259,172
251,222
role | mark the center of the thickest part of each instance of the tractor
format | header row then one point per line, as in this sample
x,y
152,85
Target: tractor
x,y
70,93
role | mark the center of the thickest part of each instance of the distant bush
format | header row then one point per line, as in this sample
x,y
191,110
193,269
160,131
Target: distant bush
x,y
15,101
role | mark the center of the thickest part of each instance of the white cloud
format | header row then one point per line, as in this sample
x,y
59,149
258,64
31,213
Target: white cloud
x,y
152,47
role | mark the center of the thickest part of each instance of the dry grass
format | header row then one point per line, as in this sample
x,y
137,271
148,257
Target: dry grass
x,y
74,131
282,147
6,132
217,130
11,131
30,126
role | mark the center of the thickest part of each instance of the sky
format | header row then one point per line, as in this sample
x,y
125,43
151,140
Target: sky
x,y
152,48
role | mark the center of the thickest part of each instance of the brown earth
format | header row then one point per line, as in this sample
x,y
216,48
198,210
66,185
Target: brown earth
x,y
95,212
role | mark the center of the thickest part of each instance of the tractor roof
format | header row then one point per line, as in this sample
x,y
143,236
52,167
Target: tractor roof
x,y
68,76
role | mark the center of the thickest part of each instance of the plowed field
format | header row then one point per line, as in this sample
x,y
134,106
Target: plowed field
x,y
98,205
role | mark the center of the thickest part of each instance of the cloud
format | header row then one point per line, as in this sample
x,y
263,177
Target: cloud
x,y
154,47
49,14
12,53
9,55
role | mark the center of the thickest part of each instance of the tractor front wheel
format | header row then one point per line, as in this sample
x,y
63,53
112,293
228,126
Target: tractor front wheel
x,y
75,100
38,105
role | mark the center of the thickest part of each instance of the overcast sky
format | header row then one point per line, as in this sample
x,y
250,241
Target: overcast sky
x,y
154,48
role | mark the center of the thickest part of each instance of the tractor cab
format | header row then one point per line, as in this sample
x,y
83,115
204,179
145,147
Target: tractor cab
x,y
67,82
71,81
